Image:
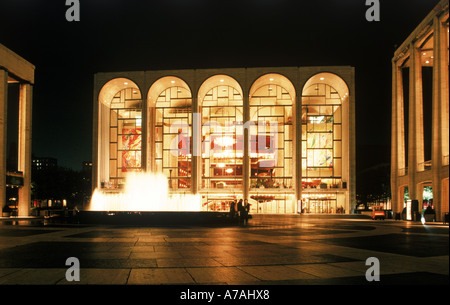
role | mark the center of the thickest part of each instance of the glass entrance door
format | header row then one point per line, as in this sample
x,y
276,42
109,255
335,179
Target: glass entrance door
x,y
321,206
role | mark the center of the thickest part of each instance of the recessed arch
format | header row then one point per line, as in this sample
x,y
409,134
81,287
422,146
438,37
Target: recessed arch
x,y
164,83
325,133
112,87
120,131
272,134
221,106
275,79
170,116
219,80
331,79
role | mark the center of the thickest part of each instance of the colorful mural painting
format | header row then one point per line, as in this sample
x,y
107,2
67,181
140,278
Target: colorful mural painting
x,y
131,148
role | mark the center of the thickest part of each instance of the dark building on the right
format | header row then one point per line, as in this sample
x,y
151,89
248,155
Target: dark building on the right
x,y
420,116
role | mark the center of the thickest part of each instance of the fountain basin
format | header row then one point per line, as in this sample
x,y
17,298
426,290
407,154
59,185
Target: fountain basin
x,y
163,218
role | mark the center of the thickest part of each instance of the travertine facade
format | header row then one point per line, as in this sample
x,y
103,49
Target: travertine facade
x,y
274,136
14,69
425,48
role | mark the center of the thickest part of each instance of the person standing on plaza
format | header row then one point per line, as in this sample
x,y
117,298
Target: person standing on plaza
x,y
233,209
246,211
240,209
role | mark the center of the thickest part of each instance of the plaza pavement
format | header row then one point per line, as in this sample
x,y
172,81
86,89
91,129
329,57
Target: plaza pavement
x,y
269,250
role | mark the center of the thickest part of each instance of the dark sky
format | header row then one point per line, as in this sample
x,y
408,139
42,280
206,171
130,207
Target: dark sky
x,y
127,35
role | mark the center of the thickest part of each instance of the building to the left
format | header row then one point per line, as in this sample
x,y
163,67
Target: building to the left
x,y
16,87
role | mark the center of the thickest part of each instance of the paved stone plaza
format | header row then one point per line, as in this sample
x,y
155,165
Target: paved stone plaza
x,y
271,249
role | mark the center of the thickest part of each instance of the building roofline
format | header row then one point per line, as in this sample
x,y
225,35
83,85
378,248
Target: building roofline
x,y
422,28
16,65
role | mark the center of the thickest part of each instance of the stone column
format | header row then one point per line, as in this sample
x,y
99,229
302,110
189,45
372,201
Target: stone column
x,y
246,160
151,138
196,161
3,134
394,138
145,143
351,198
25,114
415,136
298,151
440,112
398,136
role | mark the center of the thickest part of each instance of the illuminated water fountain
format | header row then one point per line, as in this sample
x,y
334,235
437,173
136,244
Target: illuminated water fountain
x,y
144,192
146,199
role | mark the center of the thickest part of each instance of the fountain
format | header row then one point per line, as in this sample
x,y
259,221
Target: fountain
x,y
146,200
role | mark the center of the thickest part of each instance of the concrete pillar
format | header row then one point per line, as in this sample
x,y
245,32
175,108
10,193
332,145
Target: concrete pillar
x,y
415,135
196,159
25,115
145,143
394,138
298,150
3,134
246,161
151,117
95,142
440,112
351,195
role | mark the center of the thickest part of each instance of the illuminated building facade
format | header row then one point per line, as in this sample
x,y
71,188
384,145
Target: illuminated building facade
x,y
420,115
283,138
16,74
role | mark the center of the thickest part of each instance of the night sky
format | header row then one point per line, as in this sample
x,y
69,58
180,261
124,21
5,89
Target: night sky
x,y
129,35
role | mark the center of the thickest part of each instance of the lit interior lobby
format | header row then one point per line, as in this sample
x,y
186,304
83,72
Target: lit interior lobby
x,y
282,138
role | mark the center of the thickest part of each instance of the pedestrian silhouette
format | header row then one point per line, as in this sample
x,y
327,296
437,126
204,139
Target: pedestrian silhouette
x,y
240,208
246,211
233,209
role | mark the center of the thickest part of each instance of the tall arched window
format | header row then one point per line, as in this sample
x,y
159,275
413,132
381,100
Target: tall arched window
x,y
170,103
271,137
173,133
221,107
321,135
272,149
120,131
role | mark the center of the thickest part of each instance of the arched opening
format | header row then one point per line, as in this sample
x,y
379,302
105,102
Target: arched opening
x,y
427,195
170,111
221,108
272,144
120,132
222,153
324,143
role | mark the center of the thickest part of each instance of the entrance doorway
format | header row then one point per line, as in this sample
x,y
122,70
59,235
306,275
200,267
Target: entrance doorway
x,y
321,204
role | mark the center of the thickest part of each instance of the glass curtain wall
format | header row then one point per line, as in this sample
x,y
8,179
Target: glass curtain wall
x,y
173,134
271,150
125,135
321,146
222,138
271,136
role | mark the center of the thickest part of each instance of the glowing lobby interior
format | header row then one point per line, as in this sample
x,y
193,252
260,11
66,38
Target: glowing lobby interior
x,y
282,138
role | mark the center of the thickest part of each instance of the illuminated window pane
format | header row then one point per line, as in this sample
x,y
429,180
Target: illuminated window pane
x,y
321,134
172,133
271,111
125,134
